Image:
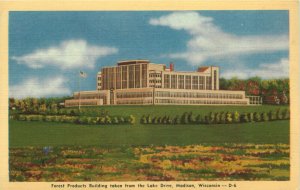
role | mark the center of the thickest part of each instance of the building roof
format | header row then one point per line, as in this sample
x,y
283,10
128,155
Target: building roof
x,y
130,62
202,69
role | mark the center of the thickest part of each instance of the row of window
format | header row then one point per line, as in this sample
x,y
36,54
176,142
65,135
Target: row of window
x,y
173,101
149,101
198,95
133,94
187,82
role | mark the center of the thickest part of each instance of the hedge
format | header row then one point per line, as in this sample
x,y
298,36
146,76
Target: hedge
x,y
217,118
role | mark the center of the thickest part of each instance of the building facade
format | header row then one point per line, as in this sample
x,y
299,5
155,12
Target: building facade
x,y
142,82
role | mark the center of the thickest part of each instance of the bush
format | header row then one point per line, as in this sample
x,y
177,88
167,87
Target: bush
x,y
279,115
286,114
217,117
236,117
228,117
223,118
257,117
191,118
131,119
264,116
115,120
272,115
176,120
121,120
211,117
101,120
107,120
155,120
251,117
244,118
184,118
199,119
148,119
143,120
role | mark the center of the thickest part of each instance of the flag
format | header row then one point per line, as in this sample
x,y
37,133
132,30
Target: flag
x,y
82,74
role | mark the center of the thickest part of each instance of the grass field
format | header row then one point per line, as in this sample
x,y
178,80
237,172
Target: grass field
x,y
23,133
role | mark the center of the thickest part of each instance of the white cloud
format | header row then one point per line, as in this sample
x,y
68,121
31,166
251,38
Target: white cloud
x,y
265,70
209,42
67,55
35,87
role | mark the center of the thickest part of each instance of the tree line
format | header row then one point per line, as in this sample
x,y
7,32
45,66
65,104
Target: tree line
x,y
273,91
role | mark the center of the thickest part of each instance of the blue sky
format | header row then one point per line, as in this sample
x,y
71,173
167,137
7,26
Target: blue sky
x,y
48,49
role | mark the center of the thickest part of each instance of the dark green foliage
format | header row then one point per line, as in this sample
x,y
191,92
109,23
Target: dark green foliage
x,y
257,117
143,120
176,120
265,116
229,117
211,118
286,114
149,119
223,117
217,117
184,118
272,115
244,118
236,117
251,117
279,115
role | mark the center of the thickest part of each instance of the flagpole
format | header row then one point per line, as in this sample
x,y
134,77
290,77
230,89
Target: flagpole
x,y
79,92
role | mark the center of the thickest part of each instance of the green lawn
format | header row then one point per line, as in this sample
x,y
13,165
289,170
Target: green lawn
x,y
22,133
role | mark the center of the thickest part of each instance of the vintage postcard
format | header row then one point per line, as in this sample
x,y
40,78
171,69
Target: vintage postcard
x,y
149,95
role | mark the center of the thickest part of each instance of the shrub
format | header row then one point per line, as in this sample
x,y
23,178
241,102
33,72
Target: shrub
x,y
211,117
83,120
244,117
107,120
148,119
184,118
236,117
164,120
272,115
217,117
257,117
198,119
159,120
169,120
176,120
115,120
131,119
121,120
279,114
101,120
155,120
191,118
286,114
223,117
264,116
143,120
228,117
251,117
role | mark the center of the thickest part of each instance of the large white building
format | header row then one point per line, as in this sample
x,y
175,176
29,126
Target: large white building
x,y
142,82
